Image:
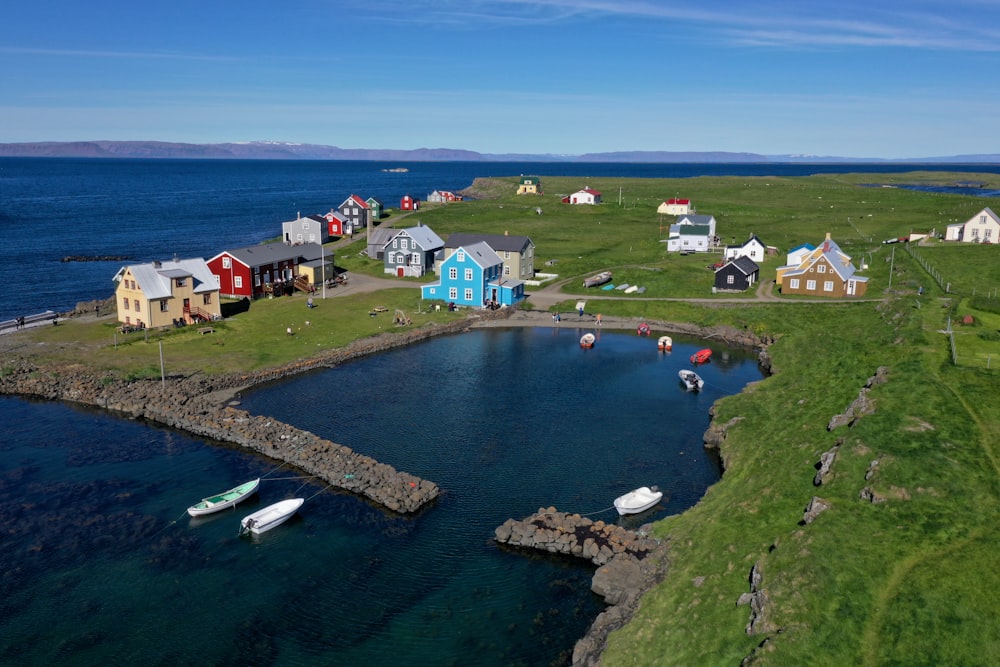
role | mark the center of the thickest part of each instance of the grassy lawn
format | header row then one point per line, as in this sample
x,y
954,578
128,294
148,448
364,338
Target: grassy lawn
x,y
904,580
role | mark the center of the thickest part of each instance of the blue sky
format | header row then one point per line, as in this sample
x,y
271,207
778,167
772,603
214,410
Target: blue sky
x,y
882,78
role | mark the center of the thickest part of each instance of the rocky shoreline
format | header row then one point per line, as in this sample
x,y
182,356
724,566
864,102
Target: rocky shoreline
x,y
628,563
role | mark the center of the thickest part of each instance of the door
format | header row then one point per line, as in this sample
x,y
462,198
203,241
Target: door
x,y
850,288
399,272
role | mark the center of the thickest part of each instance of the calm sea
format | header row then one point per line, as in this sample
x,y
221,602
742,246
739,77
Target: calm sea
x,y
100,564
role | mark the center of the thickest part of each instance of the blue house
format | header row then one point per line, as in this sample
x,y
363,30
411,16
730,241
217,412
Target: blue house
x,y
473,276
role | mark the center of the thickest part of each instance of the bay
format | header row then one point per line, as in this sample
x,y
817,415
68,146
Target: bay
x,y
102,566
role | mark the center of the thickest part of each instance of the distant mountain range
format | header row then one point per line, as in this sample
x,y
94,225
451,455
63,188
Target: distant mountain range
x,y
273,150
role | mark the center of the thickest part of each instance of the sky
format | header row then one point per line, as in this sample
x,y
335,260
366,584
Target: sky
x,y
874,79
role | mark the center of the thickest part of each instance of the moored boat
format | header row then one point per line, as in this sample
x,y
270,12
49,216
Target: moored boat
x,y
701,356
665,343
587,340
271,516
221,501
692,381
596,280
642,329
639,500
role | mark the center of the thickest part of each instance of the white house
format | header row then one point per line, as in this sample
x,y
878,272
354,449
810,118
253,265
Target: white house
x,y
585,196
798,254
675,206
983,227
689,238
310,229
753,248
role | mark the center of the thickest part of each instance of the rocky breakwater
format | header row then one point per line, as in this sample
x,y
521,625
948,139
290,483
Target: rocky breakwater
x,y
629,563
182,404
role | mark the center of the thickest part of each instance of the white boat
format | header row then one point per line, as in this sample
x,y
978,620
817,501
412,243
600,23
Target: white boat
x,y
265,519
691,380
665,343
587,340
638,500
631,289
221,501
597,280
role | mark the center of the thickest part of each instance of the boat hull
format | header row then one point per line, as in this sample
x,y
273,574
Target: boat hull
x,y
270,517
691,380
666,343
587,340
224,500
637,501
599,279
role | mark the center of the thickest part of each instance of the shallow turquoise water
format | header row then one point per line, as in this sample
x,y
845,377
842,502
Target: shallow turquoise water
x,y
95,571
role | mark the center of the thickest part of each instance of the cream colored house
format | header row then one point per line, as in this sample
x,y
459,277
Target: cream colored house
x,y
675,206
983,227
529,185
163,294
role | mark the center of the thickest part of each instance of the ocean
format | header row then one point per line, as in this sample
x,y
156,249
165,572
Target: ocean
x,y
100,563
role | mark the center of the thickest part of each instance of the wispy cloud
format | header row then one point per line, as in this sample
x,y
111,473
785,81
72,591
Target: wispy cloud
x,y
91,53
965,25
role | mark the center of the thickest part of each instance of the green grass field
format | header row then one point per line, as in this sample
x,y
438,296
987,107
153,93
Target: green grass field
x,y
905,580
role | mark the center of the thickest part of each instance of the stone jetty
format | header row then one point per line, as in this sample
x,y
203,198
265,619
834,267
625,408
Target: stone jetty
x,y
629,563
202,405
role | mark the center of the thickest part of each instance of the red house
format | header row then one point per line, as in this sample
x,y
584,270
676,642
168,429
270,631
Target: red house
x,y
408,203
335,222
260,270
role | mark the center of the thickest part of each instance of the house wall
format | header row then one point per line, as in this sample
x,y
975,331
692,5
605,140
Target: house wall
x,y
229,277
814,282
154,313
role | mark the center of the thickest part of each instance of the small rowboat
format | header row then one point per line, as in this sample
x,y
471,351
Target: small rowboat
x,y
587,340
701,356
597,280
638,500
271,516
225,499
642,329
665,343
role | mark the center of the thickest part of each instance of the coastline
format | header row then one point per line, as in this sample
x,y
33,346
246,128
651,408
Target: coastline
x,y
206,406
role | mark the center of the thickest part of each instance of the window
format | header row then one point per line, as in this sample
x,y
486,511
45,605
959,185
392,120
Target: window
x,y
506,270
821,268
811,285
461,256
298,237
468,294
453,273
227,263
404,244
987,234
452,293
238,282
136,304
730,279
133,284
975,232
828,286
312,237
164,306
793,283
179,282
207,298
125,303
468,274
415,259
506,254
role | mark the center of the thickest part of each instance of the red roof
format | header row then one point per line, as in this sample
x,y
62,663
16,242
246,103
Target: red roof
x,y
681,202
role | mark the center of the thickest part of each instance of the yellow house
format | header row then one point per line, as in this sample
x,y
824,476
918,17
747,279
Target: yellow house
x,y
530,185
162,294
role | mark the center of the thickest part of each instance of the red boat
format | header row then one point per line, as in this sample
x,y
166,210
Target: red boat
x,y
642,329
701,356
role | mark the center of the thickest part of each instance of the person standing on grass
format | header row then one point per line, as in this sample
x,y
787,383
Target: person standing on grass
x,y
598,319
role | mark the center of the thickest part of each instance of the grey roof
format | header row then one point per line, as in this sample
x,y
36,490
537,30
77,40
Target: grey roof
x,y
267,253
696,219
482,254
743,264
423,236
498,242
380,236
154,279
836,258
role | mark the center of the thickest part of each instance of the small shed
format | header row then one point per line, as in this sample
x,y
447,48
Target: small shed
x,y
738,274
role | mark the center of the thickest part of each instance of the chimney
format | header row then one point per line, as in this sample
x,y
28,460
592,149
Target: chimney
x,y
826,243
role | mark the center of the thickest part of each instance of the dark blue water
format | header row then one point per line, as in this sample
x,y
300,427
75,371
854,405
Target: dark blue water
x,y
506,421
153,209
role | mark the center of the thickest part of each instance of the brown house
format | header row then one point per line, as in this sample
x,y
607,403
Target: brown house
x,y
826,271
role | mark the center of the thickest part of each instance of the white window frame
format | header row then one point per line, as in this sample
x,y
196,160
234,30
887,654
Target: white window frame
x,y
793,283
453,273
468,275
227,263
811,285
468,294
827,285
452,293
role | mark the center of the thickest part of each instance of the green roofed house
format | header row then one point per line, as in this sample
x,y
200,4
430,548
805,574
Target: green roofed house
x,y
530,185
